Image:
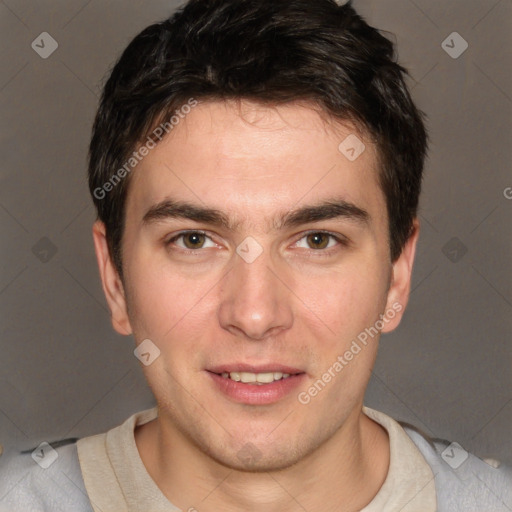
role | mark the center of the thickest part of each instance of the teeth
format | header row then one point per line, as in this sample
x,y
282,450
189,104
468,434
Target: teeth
x,y
255,378
248,377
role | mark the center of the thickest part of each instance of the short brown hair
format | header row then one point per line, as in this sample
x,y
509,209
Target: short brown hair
x,y
272,51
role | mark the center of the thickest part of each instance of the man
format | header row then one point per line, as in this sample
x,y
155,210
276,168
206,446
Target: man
x,y
256,167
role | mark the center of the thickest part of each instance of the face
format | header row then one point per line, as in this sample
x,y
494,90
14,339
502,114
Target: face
x,y
253,245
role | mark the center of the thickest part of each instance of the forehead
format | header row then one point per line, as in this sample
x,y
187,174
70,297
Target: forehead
x,y
253,160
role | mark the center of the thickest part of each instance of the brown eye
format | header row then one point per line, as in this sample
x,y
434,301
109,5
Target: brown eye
x,y
318,240
193,240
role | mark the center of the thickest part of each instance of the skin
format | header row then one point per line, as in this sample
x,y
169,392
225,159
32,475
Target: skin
x,y
291,305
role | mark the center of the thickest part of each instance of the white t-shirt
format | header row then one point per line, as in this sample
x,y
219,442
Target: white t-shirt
x,y
104,473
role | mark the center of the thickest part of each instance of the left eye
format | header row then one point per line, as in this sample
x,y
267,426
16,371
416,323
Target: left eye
x,y
318,240
192,240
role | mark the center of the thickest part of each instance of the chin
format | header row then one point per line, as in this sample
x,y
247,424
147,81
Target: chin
x,y
256,457
261,464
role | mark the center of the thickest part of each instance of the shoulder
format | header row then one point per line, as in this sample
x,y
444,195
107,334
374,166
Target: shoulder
x,y
463,481
45,479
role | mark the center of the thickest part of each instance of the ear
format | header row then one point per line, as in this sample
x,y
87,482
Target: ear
x,y
399,289
112,284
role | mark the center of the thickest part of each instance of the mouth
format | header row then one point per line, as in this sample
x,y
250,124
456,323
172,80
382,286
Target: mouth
x,y
252,374
258,379
256,385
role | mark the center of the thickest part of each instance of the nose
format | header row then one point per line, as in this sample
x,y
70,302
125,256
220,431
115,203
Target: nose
x,y
255,302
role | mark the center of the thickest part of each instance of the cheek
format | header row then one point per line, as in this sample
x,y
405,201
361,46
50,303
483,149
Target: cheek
x,y
155,301
166,305
349,304
344,302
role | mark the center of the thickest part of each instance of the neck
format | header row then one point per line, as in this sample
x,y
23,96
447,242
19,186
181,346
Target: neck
x,y
343,474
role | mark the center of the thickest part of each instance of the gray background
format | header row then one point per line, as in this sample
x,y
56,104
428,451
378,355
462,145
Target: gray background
x,y
65,372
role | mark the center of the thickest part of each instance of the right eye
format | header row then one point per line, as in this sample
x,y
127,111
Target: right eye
x,y
191,240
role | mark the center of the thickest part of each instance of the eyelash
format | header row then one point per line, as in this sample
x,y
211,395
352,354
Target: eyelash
x,y
342,241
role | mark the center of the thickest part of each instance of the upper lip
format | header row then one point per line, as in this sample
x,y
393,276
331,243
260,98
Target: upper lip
x,y
251,368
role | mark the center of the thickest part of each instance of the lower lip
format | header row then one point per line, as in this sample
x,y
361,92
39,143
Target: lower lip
x,y
254,394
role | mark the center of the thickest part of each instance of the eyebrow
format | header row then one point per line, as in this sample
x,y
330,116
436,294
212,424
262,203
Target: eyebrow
x,y
325,210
